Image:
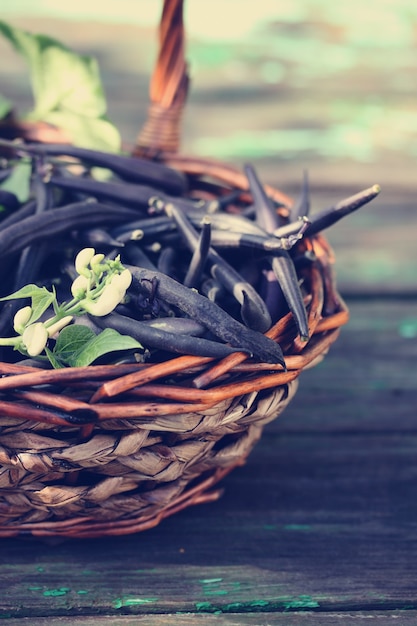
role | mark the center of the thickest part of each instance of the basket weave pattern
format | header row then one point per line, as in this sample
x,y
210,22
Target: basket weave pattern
x,y
134,467
114,449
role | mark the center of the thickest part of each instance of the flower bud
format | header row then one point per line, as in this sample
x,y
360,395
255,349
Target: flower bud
x,y
97,265
21,318
59,325
83,258
79,287
35,337
96,259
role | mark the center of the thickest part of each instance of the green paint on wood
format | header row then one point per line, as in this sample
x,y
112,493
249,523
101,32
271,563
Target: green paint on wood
x,y
204,607
62,591
211,586
286,603
208,607
245,606
210,581
301,602
408,328
126,601
216,592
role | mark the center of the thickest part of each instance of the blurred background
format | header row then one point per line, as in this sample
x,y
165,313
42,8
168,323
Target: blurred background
x,y
308,84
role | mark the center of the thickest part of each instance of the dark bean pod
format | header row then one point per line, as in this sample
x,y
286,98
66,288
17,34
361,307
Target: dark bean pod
x,y
8,200
20,214
236,257
134,254
287,278
126,167
148,227
213,290
227,239
272,295
32,257
328,217
265,211
167,261
199,257
301,208
127,194
226,274
227,222
40,227
275,294
152,337
99,237
181,325
198,307
161,224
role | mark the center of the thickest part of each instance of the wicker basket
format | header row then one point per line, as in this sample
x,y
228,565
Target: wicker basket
x,y
114,449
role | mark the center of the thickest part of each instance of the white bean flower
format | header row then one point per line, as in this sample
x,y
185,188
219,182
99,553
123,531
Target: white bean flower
x,y
34,338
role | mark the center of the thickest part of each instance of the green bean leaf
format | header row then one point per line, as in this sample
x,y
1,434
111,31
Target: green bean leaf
x,y
78,346
19,181
99,134
41,299
25,292
56,364
64,83
5,106
71,340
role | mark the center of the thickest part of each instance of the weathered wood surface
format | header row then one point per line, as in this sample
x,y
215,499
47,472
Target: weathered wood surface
x,y
319,527
355,618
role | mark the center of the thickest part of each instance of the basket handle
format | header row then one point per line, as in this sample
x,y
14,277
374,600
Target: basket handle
x,y
168,87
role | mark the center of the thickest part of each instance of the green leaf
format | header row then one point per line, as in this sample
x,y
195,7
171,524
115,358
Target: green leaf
x,y
5,106
87,132
41,299
70,340
29,291
19,181
40,303
59,76
67,85
56,364
108,340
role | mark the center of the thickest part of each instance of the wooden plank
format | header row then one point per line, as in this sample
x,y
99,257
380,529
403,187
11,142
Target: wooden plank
x,y
321,518
370,375
406,618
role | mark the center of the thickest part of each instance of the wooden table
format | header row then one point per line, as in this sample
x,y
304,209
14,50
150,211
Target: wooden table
x,y
320,526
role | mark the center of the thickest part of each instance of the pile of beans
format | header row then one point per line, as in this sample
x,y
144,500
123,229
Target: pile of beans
x,y
213,268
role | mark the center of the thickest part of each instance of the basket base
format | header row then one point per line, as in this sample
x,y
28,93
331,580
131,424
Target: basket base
x,y
191,461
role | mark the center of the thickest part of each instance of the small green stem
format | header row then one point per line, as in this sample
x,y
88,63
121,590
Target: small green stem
x,y
9,341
